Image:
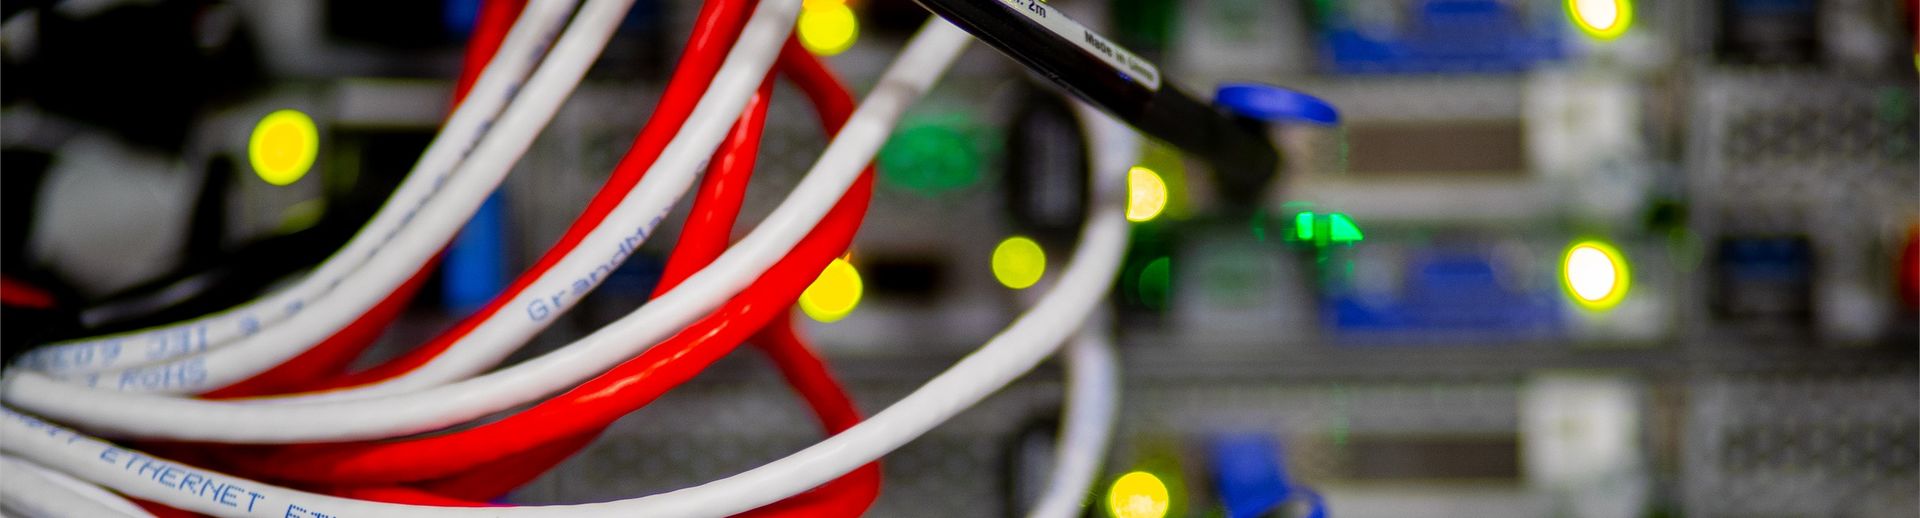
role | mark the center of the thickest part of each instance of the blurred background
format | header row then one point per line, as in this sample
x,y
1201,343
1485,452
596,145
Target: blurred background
x,y
1593,258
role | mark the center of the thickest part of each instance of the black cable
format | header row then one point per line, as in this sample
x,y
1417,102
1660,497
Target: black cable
x,y
1241,156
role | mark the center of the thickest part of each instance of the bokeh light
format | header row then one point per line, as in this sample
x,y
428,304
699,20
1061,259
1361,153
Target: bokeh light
x,y
827,27
932,155
1156,283
834,293
283,147
1595,274
1018,262
1601,19
1138,494
1146,194
1340,229
1325,229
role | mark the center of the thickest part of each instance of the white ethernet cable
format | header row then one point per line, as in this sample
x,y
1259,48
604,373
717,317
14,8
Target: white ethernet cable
x,y
413,245
1093,367
609,243
556,290
1014,351
1093,399
473,119
32,491
615,238
1031,338
145,415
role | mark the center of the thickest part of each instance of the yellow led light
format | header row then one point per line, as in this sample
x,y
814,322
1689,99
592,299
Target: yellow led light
x,y
834,293
827,27
1146,194
283,147
1601,19
1138,494
1595,274
1018,263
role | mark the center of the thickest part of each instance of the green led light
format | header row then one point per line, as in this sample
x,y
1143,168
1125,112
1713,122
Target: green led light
x,y
931,155
1340,229
1156,283
1321,229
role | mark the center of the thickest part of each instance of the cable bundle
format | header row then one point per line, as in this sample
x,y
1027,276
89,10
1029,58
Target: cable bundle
x,y
279,428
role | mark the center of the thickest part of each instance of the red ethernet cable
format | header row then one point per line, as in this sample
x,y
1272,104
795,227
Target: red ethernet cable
x,y
817,401
803,370
718,24
594,404
714,209
703,238
331,357
849,495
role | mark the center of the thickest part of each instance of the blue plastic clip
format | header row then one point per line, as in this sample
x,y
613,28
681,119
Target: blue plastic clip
x,y
1274,104
1250,479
